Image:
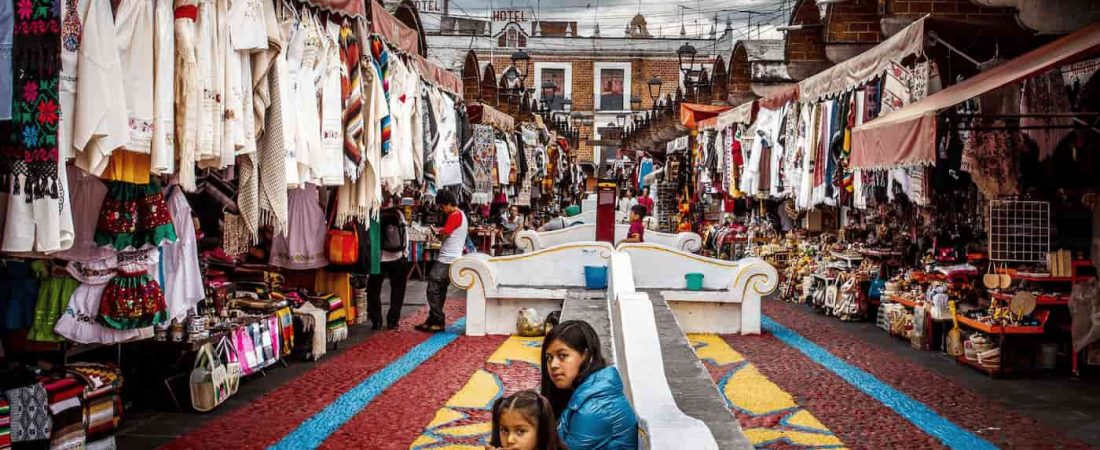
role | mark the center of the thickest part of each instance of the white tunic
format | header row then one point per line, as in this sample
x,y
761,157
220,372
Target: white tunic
x,y
99,119
330,167
134,25
164,91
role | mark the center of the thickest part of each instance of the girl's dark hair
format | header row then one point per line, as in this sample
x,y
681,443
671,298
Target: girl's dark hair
x,y
579,336
640,210
537,410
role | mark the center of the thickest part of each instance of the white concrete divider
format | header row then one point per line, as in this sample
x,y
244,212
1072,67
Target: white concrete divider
x,y
531,240
661,423
497,287
730,299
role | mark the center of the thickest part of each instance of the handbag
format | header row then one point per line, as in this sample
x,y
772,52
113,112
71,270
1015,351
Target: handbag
x,y
341,246
209,386
227,354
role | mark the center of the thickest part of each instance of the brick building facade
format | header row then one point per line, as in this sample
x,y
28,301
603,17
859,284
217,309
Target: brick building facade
x,y
599,74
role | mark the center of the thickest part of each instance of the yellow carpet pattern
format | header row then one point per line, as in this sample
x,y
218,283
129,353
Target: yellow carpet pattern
x,y
768,414
465,421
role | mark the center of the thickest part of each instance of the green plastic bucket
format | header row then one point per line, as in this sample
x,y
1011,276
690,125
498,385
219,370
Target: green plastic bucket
x,y
694,281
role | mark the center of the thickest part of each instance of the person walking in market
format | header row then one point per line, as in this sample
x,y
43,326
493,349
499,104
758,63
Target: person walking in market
x,y
395,264
453,237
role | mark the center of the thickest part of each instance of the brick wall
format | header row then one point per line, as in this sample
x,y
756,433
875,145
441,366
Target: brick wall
x,y
856,21
583,91
806,44
964,9
740,75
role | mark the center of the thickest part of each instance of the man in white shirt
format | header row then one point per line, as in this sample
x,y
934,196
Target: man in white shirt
x,y
453,236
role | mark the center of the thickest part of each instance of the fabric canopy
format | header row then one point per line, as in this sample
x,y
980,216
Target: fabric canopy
x,y
398,34
441,77
863,67
739,114
781,97
907,136
693,113
351,8
488,115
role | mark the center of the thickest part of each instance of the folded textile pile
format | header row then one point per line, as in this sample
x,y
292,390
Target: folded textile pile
x,y
102,402
314,322
68,413
337,319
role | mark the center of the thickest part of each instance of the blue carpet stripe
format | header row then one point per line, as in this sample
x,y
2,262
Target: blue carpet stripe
x,y
916,412
315,430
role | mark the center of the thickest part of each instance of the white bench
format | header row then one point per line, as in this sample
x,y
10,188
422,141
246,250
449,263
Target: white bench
x,y
530,240
730,300
497,287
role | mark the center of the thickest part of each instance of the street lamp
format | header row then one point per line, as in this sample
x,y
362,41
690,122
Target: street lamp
x,y
521,56
621,119
566,105
686,52
635,102
654,88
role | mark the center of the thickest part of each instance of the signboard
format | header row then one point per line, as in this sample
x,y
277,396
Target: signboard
x,y
509,15
428,6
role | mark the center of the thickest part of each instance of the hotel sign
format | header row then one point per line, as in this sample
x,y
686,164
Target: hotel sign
x,y
428,6
509,15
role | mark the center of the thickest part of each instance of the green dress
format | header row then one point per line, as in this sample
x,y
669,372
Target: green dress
x,y
53,298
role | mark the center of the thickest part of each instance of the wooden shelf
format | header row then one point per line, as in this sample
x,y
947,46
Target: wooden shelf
x,y
1041,299
997,329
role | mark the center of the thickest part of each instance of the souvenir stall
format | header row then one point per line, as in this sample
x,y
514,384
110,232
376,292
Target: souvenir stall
x,y
196,203
963,215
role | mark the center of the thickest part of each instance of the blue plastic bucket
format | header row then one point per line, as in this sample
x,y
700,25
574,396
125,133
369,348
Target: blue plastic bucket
x,y
694,281
595,277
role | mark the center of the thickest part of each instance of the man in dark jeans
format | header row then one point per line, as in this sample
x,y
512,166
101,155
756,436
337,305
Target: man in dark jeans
x,y
394,267
453,236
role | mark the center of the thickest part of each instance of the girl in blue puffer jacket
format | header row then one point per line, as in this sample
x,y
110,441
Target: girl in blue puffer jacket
x,y
586,393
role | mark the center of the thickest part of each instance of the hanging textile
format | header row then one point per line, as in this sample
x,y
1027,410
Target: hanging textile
x,y
380,58
482,153
37,216
351,88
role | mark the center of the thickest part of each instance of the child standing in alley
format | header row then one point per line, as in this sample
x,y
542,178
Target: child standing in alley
x,y
636,233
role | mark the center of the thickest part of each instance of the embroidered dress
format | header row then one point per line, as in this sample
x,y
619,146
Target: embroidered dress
x,y
79,321
483,154
134,216
302,247
308,119
134,25
188,94
37,217
330,166
133,298
71,29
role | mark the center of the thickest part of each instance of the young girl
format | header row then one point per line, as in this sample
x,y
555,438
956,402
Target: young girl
x,y
524,421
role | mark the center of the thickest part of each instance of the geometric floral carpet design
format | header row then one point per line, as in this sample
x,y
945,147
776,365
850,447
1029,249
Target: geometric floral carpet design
x,y
768,415
465,421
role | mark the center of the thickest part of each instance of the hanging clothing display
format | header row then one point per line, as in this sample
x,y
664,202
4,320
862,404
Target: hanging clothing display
x,y
179,273
79,321
134,217
302,246
133,298
53,298
482,151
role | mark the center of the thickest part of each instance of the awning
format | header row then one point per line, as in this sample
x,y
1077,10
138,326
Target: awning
x,y
742,113
693,113
392,30
907,136
445,79
781,97
488,115
865,66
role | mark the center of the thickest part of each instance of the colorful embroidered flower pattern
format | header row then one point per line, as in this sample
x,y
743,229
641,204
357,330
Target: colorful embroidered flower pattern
x,y
25,7
30,91
30,136
47,112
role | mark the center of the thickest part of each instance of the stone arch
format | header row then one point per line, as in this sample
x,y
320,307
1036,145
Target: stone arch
x,y
471,78
489,85
805,48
